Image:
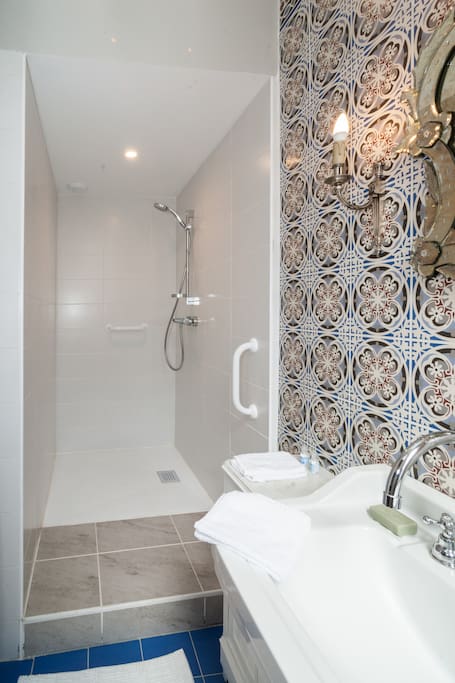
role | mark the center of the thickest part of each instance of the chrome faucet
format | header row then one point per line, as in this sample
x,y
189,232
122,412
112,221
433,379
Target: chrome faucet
x,y
407,458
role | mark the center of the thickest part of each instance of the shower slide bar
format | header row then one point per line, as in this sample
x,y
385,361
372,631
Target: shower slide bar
x,y
127,328
251,410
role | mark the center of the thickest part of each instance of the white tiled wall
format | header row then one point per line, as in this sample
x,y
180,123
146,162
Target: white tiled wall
x,y
116,265
40,244
12,72
230,263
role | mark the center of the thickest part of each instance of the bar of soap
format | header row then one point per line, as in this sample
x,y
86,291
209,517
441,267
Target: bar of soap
x,y
394,520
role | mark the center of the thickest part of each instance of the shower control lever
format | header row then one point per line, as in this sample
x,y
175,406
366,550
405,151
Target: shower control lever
x,y
189,320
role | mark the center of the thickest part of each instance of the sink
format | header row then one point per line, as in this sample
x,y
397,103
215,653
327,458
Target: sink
x,y
375,611
362,605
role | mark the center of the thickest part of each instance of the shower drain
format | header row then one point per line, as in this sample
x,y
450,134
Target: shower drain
x,y
167,476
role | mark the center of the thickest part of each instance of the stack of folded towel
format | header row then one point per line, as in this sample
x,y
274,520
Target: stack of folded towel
x,y
263,531
262,467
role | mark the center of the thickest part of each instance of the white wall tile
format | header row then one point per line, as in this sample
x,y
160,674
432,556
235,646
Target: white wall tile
x,y
9,319
251,154
244,438
80,241
40,248
80,291
10,389
10,431
11,235
10,483
230,265
9,638
79,316
81,340
103,372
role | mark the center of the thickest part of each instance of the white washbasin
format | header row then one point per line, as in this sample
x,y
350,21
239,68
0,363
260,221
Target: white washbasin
x,y
362,605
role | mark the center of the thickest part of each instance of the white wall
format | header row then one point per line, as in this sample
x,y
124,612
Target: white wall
x,y
40,244
116,265
12,97
230,263
231,35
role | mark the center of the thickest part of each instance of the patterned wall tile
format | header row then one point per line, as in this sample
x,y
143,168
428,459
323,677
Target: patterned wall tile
x,y
367,346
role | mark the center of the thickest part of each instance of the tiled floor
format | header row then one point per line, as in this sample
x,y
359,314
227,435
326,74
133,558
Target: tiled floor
x,y
201,649
110,563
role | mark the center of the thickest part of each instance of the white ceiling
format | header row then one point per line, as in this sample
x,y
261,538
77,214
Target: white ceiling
x,y
92,109
226,35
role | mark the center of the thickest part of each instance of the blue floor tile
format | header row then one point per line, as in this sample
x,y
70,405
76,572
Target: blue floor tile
x,y
10,671
120,653
218,678
163,645
64,661
207,644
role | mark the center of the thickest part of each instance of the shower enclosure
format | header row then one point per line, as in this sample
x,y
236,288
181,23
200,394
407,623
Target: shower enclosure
x,y
105,421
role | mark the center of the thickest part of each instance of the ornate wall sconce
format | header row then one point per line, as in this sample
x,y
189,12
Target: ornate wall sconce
x,y
340,178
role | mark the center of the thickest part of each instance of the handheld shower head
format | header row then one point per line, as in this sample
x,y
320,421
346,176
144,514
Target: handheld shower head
x,y
165,207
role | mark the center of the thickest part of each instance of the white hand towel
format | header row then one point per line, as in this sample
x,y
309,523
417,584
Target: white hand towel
x,y
262,467
263,531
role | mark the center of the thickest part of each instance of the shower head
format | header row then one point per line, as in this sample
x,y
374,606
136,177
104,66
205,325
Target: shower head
x,y
165,207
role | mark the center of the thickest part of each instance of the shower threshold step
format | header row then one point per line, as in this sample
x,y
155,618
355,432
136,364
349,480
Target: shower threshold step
x,y
60,631
109,581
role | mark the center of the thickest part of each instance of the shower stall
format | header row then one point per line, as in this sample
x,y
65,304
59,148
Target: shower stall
x,y
140,278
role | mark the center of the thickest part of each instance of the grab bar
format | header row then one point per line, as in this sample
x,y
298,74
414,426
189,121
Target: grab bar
x,y
126,328
252,410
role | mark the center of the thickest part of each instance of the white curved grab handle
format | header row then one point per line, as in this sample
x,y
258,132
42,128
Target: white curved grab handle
x,y
252,410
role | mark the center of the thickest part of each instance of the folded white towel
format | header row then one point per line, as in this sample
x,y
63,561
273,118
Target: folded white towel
x,y
263,531
171,668
262,467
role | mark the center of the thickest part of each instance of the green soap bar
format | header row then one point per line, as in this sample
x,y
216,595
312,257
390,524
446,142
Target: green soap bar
x,y
392,519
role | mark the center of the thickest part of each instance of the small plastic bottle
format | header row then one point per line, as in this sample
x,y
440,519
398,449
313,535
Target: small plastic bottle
x,y
304,458
313,465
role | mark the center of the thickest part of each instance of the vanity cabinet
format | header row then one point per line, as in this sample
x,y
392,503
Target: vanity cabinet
x,y
245,656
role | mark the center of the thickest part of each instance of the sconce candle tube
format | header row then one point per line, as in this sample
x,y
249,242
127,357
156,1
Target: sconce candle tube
x,y
340,134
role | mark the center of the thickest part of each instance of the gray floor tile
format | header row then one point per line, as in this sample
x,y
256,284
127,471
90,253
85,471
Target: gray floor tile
x,y
149,573
202,560
45,637
135,533
60,585
185,524
153,620
65,541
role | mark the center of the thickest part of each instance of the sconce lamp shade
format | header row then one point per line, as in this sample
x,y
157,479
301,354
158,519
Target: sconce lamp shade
x,y
341,128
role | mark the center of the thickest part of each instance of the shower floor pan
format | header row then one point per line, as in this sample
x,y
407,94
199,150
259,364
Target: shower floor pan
x,y
107,582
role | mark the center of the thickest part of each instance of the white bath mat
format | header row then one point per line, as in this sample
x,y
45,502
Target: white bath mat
x,y
172,668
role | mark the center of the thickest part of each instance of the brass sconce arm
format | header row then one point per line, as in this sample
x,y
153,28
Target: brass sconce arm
x,y
375,196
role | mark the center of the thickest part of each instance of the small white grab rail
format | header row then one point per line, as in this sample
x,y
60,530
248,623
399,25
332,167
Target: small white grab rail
x,y
126,328
252,410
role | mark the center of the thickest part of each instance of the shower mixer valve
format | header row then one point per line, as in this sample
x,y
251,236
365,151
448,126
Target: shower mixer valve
x,y
188,320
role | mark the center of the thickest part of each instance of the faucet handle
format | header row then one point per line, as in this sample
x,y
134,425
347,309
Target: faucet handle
x,y
447,524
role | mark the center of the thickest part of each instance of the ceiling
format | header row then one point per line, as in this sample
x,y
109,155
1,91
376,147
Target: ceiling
x,y
92,109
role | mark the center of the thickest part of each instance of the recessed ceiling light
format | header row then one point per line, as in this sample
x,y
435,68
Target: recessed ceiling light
x,y
130,153
113,39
